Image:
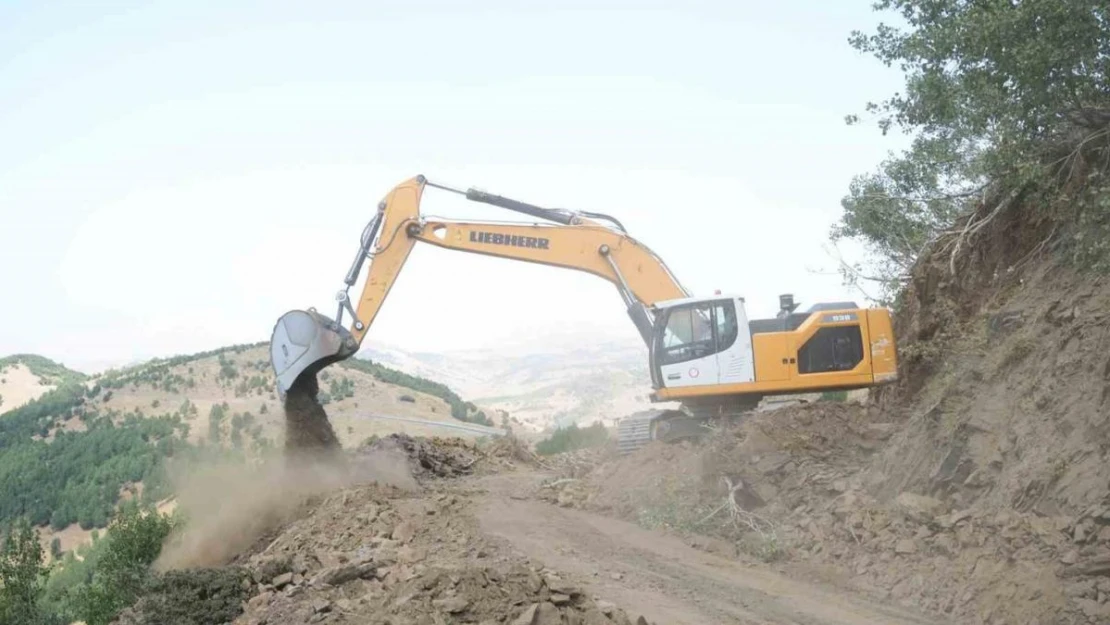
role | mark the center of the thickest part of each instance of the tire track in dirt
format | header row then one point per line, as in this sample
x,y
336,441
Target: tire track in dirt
x,y
660,575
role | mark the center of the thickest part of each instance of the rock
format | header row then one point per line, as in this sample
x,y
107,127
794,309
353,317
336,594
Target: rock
x,y
945,543
1098,565
452,605
344,605
905,546
281,581
838,486
559,599
641,620
528,617
606,607
338,575
548,614
1093,610
1080,533
321,605
260,599
560,586
1080,589
920,508
1070,557
404,531
616,576
951,520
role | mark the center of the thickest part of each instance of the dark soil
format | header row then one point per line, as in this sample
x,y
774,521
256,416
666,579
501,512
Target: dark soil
x,y
307,429
434,457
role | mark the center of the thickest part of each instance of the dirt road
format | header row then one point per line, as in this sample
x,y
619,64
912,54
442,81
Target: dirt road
x,y
659,575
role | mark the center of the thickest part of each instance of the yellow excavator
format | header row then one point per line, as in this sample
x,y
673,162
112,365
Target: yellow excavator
x,y
703,352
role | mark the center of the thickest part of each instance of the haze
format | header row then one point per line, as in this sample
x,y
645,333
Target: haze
x,y
174,176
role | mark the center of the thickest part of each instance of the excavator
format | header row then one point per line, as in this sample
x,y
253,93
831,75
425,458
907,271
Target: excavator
x,y
704,353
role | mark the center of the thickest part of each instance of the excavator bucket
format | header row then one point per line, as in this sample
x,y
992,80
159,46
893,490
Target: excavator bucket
x,y
303,343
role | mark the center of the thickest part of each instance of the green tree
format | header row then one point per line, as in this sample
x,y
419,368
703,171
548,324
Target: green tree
x,y
215,420
992,89
122,573
572,438
22,575
56,548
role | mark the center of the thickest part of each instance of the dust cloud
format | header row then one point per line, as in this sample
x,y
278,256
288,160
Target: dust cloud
x,y
230,504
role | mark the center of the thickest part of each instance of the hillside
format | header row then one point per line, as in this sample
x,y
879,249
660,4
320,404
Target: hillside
x,y
238,381
82,444
24,377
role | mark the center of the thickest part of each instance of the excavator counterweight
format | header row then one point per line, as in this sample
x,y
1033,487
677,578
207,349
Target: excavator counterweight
x,y
703,352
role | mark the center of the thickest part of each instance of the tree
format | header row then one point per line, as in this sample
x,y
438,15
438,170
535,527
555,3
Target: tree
x,y
134,541
56,548
990,88
215,420
22,575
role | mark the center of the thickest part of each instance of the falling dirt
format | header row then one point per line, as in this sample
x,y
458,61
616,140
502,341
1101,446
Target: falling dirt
x,y
307,429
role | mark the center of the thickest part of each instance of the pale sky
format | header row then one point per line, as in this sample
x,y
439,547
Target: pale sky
x,y
176,175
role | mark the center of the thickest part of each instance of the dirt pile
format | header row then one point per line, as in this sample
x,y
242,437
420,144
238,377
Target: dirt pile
x,y
374,554
429,457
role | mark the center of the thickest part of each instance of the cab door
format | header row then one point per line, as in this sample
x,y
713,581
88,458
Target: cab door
x,y
685,346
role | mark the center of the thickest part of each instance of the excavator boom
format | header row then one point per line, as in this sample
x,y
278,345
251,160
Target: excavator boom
x,y
304,342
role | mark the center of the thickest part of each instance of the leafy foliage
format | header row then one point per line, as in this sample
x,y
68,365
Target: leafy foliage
x,y
22,574
993,89
573,437
122,574
77,477
193,597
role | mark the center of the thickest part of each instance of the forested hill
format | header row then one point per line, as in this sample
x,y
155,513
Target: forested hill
x,y
70,454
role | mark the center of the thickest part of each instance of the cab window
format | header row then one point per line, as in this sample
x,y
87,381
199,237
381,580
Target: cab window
x,y
727,329
688,334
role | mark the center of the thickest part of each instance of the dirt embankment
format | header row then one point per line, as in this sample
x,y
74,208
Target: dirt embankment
x,y
977,488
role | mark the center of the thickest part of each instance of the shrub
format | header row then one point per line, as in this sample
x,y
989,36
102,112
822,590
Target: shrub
x,y
572,438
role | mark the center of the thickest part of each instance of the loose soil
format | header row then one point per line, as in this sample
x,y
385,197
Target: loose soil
x,y
307,429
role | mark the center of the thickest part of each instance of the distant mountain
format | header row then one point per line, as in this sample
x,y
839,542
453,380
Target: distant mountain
x,y
550,385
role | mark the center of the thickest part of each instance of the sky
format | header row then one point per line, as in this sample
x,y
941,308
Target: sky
x,y
176,175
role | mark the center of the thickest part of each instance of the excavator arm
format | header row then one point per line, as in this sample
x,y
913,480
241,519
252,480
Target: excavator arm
x,y
306,341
